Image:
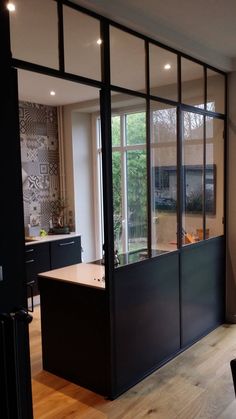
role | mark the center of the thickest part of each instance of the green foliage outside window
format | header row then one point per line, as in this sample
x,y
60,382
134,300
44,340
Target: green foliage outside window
x,y
135,132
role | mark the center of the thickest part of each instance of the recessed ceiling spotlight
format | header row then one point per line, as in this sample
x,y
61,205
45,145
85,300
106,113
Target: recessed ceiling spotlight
x,y
11,7
99,41
167,66
52,93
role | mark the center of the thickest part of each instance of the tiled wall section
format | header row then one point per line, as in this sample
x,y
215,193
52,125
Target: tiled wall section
x,y
40,162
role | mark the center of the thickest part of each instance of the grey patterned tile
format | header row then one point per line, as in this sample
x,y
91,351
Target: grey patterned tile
x,y
43,155
43,168
40,160
32,154
40,128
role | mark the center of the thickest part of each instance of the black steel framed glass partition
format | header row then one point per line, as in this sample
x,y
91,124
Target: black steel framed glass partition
x,y
93,50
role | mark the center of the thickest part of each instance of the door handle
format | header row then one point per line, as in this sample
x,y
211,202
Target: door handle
x,y
30,261
29,250
66,244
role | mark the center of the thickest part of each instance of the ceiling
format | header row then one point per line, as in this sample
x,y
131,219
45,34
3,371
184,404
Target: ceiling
x,y
36,88
205,29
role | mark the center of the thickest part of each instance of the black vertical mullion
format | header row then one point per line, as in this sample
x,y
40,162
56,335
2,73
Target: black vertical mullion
x,y
179,160
107,149
205,88
179,200
225,157
204,156
105,53
204,178
225,194
180,175
148,148
61,54
105,105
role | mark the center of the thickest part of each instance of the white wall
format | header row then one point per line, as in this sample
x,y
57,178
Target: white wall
x,y
231,204
83,182
79,174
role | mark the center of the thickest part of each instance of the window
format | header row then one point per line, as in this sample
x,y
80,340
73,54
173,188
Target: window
x,y
129,166
129,181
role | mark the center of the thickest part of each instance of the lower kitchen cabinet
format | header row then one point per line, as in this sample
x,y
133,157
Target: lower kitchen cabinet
x,y
65,252
37,259
42,257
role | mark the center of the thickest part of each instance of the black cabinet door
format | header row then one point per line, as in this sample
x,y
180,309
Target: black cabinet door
x,y
65,252
37,259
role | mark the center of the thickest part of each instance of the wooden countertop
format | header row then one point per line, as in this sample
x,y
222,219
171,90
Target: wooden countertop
x,y
50,238
87,274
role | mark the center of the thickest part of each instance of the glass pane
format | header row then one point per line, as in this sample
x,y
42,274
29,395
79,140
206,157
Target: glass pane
x,y
127,60
192,157
82,44
136,128
163,72
215,91
164,177
192,81
137,200
129,165
34,32
214,177
117,202
115,126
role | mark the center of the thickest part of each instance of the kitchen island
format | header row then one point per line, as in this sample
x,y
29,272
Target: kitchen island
x,y
73,320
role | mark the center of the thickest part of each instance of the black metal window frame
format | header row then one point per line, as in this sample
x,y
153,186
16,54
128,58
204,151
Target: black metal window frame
x,y
106,88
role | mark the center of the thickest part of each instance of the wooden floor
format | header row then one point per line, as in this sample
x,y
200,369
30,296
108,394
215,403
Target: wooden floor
x,y
196,384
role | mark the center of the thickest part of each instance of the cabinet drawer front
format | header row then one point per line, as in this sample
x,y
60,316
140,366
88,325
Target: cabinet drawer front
x,y
37,259
37,251
65,252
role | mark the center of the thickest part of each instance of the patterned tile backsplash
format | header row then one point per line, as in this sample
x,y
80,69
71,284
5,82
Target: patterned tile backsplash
x,y
40,162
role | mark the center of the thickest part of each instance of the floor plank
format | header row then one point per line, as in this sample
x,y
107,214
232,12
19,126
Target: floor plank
x,y
196,384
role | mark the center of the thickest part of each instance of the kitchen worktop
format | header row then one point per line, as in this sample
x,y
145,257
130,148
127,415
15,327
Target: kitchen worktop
x,y
50,238
87,274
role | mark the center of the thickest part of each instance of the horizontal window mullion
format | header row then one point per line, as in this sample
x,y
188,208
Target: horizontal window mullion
x,y
129,148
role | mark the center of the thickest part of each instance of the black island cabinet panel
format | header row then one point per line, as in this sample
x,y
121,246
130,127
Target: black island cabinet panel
x,y
65,252
202,288
146,318
74,337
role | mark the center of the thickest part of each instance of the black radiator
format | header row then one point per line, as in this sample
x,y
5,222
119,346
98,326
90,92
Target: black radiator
x,y
15,377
